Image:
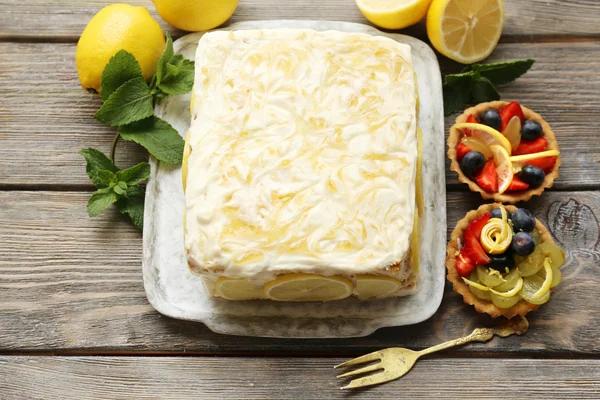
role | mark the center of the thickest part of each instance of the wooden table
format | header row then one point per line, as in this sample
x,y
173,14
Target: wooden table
x,y
74,319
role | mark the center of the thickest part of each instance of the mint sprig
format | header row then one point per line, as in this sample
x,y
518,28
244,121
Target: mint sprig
x,y
477,83
114,185
128,103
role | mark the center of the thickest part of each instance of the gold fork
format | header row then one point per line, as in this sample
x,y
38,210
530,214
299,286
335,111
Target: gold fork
x,y
395,362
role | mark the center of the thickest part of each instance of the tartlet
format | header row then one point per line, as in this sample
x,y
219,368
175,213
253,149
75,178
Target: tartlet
x,y
454,247
455,137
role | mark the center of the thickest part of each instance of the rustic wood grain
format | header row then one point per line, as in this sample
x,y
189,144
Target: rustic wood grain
x,y
45,116
27,378
525,20
72,284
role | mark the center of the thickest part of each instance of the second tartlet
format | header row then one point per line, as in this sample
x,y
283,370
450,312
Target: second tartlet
x,y
504,151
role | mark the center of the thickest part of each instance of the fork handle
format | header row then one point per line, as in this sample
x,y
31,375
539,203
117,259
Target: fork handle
x,y
478,335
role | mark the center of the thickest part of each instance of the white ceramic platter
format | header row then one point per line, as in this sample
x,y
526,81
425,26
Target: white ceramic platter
x,y
175,292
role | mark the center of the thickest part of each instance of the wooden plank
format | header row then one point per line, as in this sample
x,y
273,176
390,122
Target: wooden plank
x,y
71,284
526,20
25,378
42,130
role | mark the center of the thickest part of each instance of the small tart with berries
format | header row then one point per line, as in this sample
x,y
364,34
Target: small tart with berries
x,y
504,151
503,261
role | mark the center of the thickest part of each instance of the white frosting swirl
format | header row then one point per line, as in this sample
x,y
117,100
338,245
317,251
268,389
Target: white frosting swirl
x,y
303,153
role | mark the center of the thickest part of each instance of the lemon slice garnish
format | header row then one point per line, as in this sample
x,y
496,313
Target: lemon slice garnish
x,y
504,169
373,286
476,285
486,134
307,287
513,132
237,289
512,292
465,31
533,156
547,282
477,145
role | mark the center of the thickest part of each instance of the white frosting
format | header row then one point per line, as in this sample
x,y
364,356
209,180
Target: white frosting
x,y
303,154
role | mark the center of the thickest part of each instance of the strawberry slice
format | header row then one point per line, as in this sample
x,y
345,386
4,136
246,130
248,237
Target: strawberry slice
x,y
464,265
510,110
474,250
478,223
487,178
471,119
545,163
531,146
517,185
461,151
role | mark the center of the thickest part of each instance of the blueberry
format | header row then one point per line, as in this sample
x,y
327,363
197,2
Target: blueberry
x,y
501,261
496,213
523,220
531,130
523,244
491,118
532,175
472,163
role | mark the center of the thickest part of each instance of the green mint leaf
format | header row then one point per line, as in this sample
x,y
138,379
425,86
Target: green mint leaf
x,y
502,72
164,59
131,102
120,68
457,92
483,91
97,161
105,177
178,79
100,201
133,206
134,175
158,137
121,189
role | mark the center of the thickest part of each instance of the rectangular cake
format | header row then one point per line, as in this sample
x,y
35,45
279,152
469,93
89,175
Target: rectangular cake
x,y
300,166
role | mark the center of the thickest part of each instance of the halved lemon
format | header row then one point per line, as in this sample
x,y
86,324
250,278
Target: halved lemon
x,y
184,161
393,14
533,156
512,132
374,287
308,287
485,134
237,289
504,168
465,31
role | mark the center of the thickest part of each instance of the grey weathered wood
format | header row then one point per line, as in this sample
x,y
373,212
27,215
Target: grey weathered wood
x,y
27,378
45,116
525,20
73,284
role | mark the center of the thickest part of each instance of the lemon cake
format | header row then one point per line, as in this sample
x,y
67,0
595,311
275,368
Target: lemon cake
x,y
300,166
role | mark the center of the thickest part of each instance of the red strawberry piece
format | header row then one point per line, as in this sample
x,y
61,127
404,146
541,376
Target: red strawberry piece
x,y
478,223
487,178
509,111
531,146
464,265
473,120
474,250
545,163
461,151
517,185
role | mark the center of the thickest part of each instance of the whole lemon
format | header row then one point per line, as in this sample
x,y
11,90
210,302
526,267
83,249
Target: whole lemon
x,y
116,27
195,15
